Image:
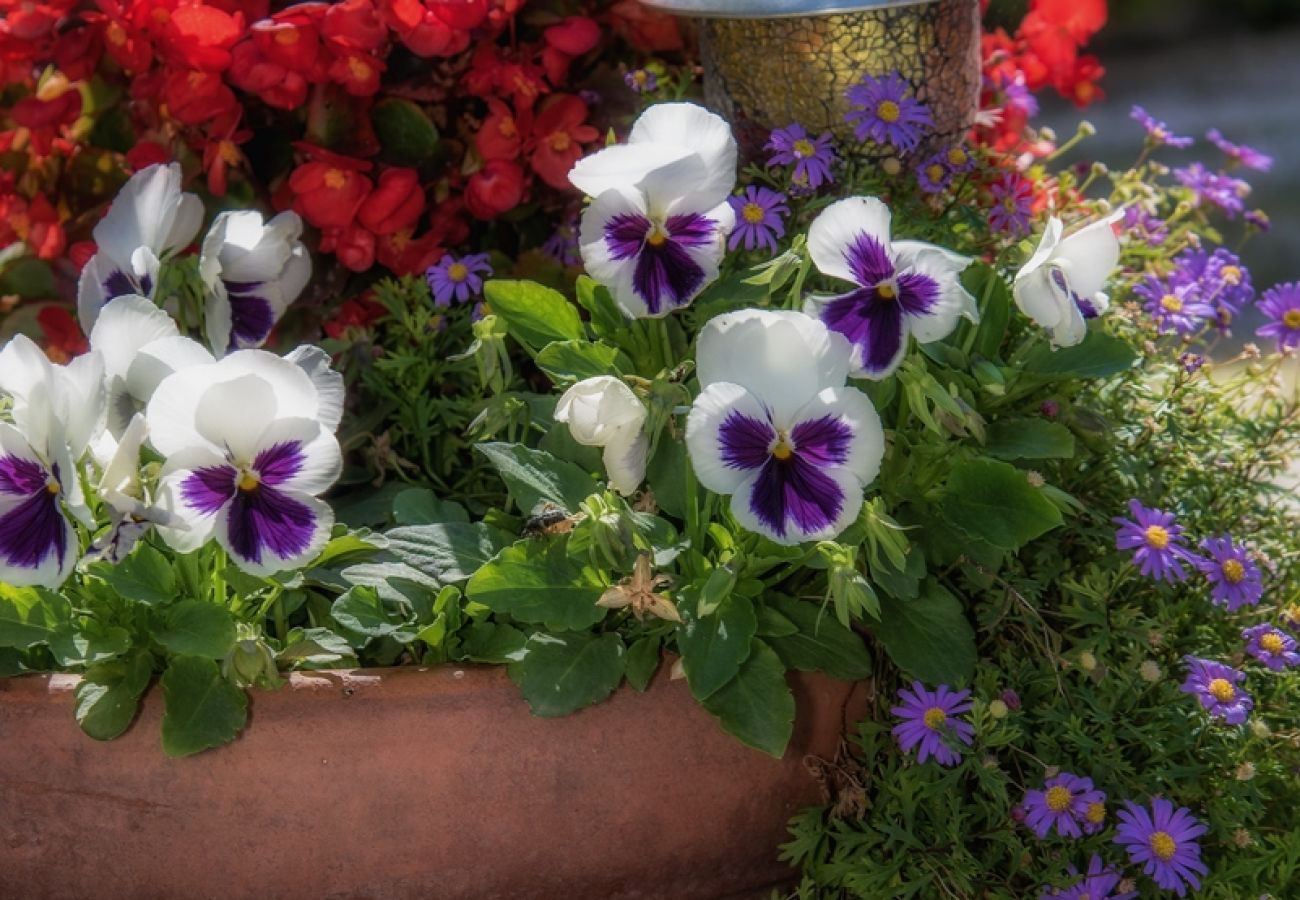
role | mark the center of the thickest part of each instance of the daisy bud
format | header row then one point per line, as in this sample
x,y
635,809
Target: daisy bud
x,y
1035,479
1259,728
998,709
1245,771
1149,671
1087,661
1241,839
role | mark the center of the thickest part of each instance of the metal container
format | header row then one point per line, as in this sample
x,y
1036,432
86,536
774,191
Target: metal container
x,y
770,63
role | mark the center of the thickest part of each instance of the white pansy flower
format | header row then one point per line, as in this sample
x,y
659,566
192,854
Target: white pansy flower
x,y
603,412
1060,287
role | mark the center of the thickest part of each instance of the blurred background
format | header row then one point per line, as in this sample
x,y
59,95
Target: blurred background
x,y
1201,64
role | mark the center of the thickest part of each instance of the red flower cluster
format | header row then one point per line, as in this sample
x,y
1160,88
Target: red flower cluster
x,y
1045,50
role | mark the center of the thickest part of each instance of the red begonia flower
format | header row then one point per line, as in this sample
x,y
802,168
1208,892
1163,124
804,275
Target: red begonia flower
x,y
558,135
395,204
496,188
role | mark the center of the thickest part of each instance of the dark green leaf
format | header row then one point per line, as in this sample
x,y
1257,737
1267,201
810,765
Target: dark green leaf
x,y
493,642
89,642
568,361
145,576
930,637
537,582
1029,439
560,673
643,661
666,475
449,552
108,695
405,133
201,708
315,648
534,315
534,477
1098,356
714,646
822,644
757,706
995,502
903,583
196,628
772,624
348,546
989,288
421,506
361,611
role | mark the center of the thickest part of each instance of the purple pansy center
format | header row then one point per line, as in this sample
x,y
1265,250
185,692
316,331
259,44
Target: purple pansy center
x,y
1087,308
251,315
790,487
261,516
119,282
871,317
34,527
665,271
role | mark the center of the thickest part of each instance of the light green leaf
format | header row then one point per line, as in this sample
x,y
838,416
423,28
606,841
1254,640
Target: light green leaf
x,y
315,648
821,644
449,552
196,628
1098,356
89,642
714,646
930,637
995,502
31,616
201,708
606,318
108,695
1029,439
361,611
537,582
561,673
534,314
990,290
534,476
757,706
569,361
348,545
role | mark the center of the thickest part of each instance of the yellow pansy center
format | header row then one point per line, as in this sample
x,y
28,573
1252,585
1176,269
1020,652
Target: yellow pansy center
x,y
804,148
52,485
1221,689
886,291
1272,642
752,213
657,236
1157,536
1292,318
457,272
247,480
1162,845
1095,813
1233,571
782,449
888,111
1058,798
934,718
1171,303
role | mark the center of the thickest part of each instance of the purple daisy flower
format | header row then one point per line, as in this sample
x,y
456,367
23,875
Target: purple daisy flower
x,y
1214,188
811,157
1282,305
1012,209
1099,883
1156,542
1176,308
759,218
1064,804
1016,94
1164,842
887,113
562,245
457,280
1215,685
1231,571
929,719
958,159
1258,220
1220,279
1240,154
933,175
641,81
1158,133
1272,646
1145,225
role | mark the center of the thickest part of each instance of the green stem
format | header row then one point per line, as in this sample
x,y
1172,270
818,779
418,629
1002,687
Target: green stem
x,y
281,622
693,519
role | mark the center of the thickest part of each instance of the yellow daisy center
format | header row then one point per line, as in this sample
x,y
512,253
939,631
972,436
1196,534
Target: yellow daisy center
x,y
1221,689
1231,275
1233,571
1058,798
1096,813
934,718
248,480
1171,303
804,148
1157,536
934,172
957,156
641,77
1162,845
752,213
888,111
1292,318
1272,642
457,272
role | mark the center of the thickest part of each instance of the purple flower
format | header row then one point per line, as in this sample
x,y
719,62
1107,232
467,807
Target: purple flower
x,y
1098,884
929,719
1282,305
641,81
1011,699
1240,154
933,175
1217,189
1145,225
1068,803
759,223
1157,542
457,280
1013,199
812,158
887,113
958,159
1191,362
1016,94
1258,220
1272,646
1215,685
1164,842
1158,133
562,245
1231,571
1176,308
1220,281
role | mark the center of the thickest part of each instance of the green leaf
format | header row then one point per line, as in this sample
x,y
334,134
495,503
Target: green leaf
x,y
493,642
1029,439
822,644
714,646
405,133
30,278
930,637
901,583
606,318
772,624
196,628
560,673
989,288
757,706
449,552
534,476
643,661
569,361
91,642
315,648
145,576
361,611
995,502
108,695
421,506
347,545
537,582
201,709
31,616
666,475
1098,356
534,315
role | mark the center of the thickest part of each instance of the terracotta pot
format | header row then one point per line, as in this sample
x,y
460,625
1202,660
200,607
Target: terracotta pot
x,y
387,784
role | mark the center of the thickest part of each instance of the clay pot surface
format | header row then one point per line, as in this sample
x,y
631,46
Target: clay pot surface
x,y
388,784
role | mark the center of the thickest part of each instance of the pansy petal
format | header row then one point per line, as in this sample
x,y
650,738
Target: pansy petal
x,y
124,325
856,443
158,359
1047,245
38,545
952,301
269,530
622,167
608,259
876,330
1037,298
1089,256
835,230
625,460
728,436
194,486
327,380
795,501
704,133
81,407
150,211
23,365
235,414
784,357
298,454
